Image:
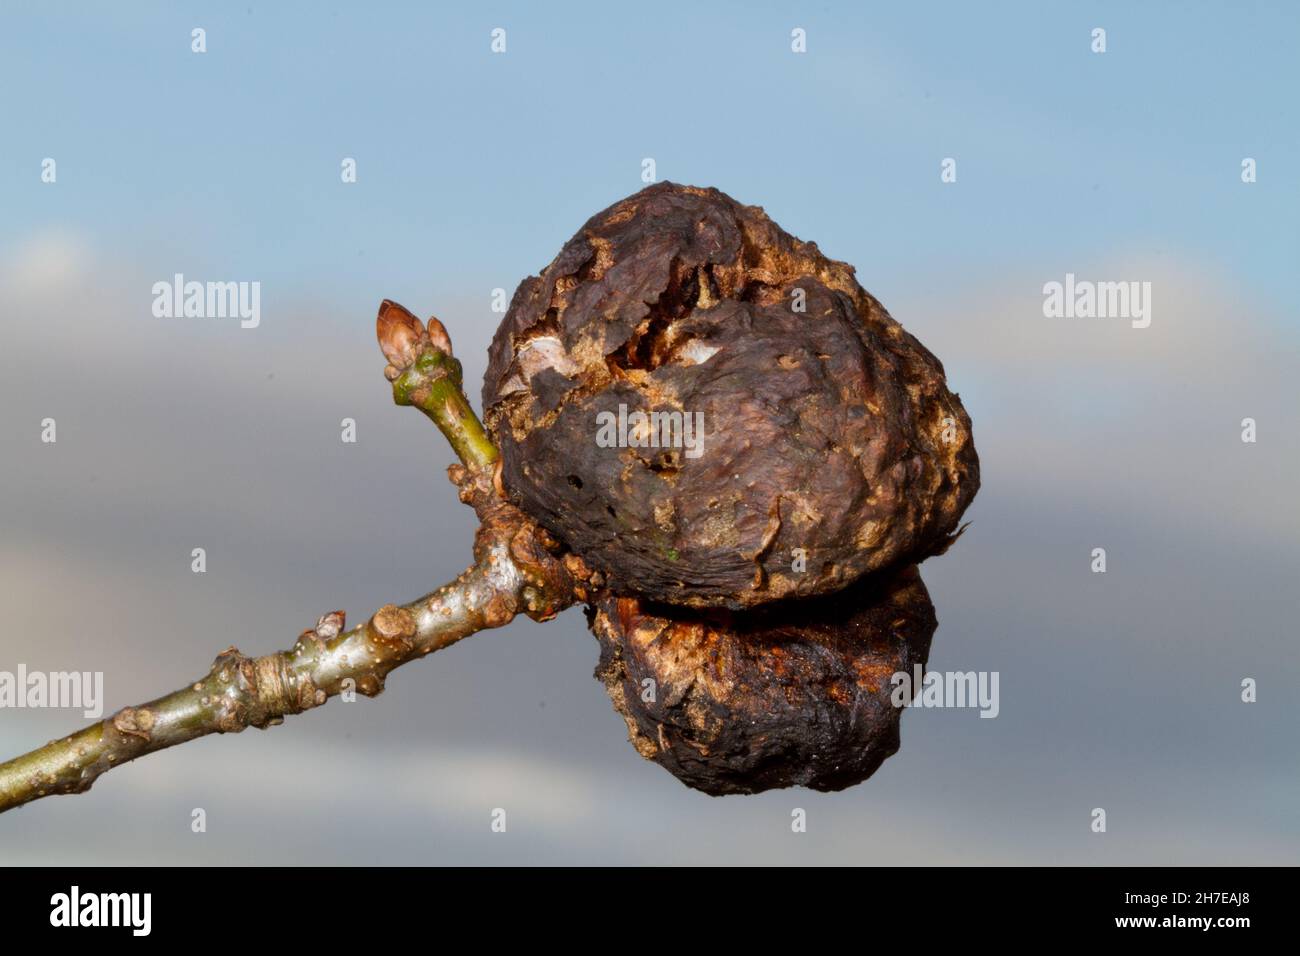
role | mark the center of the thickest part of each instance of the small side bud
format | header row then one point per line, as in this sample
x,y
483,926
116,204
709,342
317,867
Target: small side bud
x,y
329,626
438,335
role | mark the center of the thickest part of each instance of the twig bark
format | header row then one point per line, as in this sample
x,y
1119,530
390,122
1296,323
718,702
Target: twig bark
x,y
517,568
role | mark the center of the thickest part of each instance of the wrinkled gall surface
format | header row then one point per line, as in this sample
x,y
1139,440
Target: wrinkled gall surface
x,y
785,696
713,413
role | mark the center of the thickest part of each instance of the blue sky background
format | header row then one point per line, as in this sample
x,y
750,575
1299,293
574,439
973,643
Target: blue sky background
x,y
470,163
1118,690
